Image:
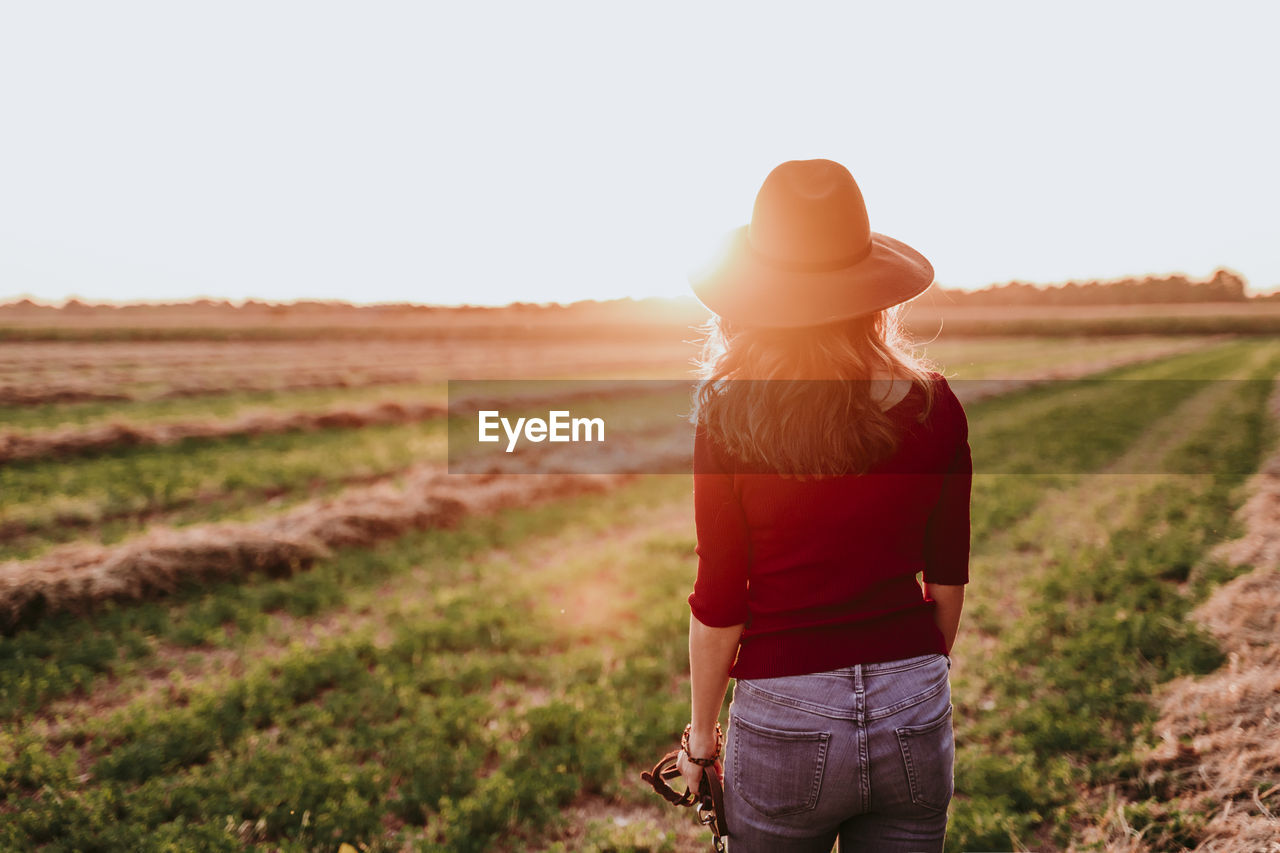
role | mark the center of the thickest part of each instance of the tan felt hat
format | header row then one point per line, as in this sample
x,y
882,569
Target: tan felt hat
x,y
809,255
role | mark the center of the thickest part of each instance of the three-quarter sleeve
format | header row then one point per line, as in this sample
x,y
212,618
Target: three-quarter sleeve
x,y
946,551
719,597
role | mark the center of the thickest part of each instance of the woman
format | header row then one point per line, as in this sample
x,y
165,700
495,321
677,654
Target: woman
x,y
829,469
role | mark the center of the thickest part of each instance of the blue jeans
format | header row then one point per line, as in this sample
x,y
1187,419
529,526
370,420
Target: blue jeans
x,y
864,753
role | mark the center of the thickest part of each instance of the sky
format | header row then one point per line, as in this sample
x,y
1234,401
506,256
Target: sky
x,y
488,153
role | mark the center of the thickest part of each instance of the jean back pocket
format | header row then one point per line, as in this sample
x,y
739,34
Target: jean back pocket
x,y
928,753
777,772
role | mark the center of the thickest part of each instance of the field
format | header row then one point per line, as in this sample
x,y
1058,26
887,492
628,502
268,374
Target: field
x,y
245,606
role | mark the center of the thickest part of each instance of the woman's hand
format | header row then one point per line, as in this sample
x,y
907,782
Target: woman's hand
x,y
949,602
711,653
692,773
700,745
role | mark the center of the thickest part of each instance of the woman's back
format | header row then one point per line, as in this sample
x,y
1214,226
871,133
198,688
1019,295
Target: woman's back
x,y
817,503
822,570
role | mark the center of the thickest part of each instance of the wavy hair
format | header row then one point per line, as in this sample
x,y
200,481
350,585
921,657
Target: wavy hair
x,y
807,406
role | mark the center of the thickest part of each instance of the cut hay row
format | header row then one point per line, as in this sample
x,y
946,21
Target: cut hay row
x,y
18,359
74,576
185,386
33,373
72,373
157,363
149,770
59,394
65,579
1220,734
550,561
185,369
470,686
85,391
77,440
211,503
219,369
327,625
74,440
1218,754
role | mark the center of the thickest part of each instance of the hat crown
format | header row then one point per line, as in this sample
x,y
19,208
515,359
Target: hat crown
x,y
809,256
810,213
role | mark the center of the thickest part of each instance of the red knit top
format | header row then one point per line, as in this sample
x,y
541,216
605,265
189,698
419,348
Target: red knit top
x,y
823,571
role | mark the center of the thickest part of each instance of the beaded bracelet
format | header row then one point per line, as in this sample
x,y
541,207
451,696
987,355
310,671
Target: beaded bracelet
x,y
702,762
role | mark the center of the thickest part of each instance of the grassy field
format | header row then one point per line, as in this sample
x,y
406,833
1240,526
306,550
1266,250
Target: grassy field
x,y
498,682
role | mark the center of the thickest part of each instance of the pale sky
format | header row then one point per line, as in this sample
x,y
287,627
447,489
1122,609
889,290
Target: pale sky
x,y
544,151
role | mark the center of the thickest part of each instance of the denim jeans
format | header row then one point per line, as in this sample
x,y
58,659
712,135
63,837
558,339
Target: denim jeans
x,y
864,753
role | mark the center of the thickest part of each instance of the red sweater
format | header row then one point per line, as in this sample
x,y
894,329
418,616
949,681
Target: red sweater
x,y
823,572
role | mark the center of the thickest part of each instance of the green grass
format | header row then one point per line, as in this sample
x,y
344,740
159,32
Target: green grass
x,y
1043,438
981,358
203,612
446,706
64,654
356,730
242,505
969,359
1263,324
46,501
1071,678
209,480
149,479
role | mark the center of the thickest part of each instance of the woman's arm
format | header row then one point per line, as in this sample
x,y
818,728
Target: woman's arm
x,y
711,653
946,568
949,600
718,607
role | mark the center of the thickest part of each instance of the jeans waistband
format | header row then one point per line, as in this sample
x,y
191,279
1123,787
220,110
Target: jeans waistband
x,y
888,666
862,691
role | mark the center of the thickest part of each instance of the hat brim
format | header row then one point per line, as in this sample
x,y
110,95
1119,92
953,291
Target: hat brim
x,y
743,287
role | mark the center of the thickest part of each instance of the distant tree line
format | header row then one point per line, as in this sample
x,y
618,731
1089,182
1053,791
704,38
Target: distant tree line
x,y
1223,286
626,308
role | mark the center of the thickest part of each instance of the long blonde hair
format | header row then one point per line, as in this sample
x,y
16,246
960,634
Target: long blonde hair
x,y
806,407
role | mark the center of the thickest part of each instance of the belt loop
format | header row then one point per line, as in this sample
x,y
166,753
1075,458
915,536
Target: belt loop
x,y
948,657
859,694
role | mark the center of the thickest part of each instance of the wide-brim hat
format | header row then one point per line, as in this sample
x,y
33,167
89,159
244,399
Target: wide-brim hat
x,y
809,255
